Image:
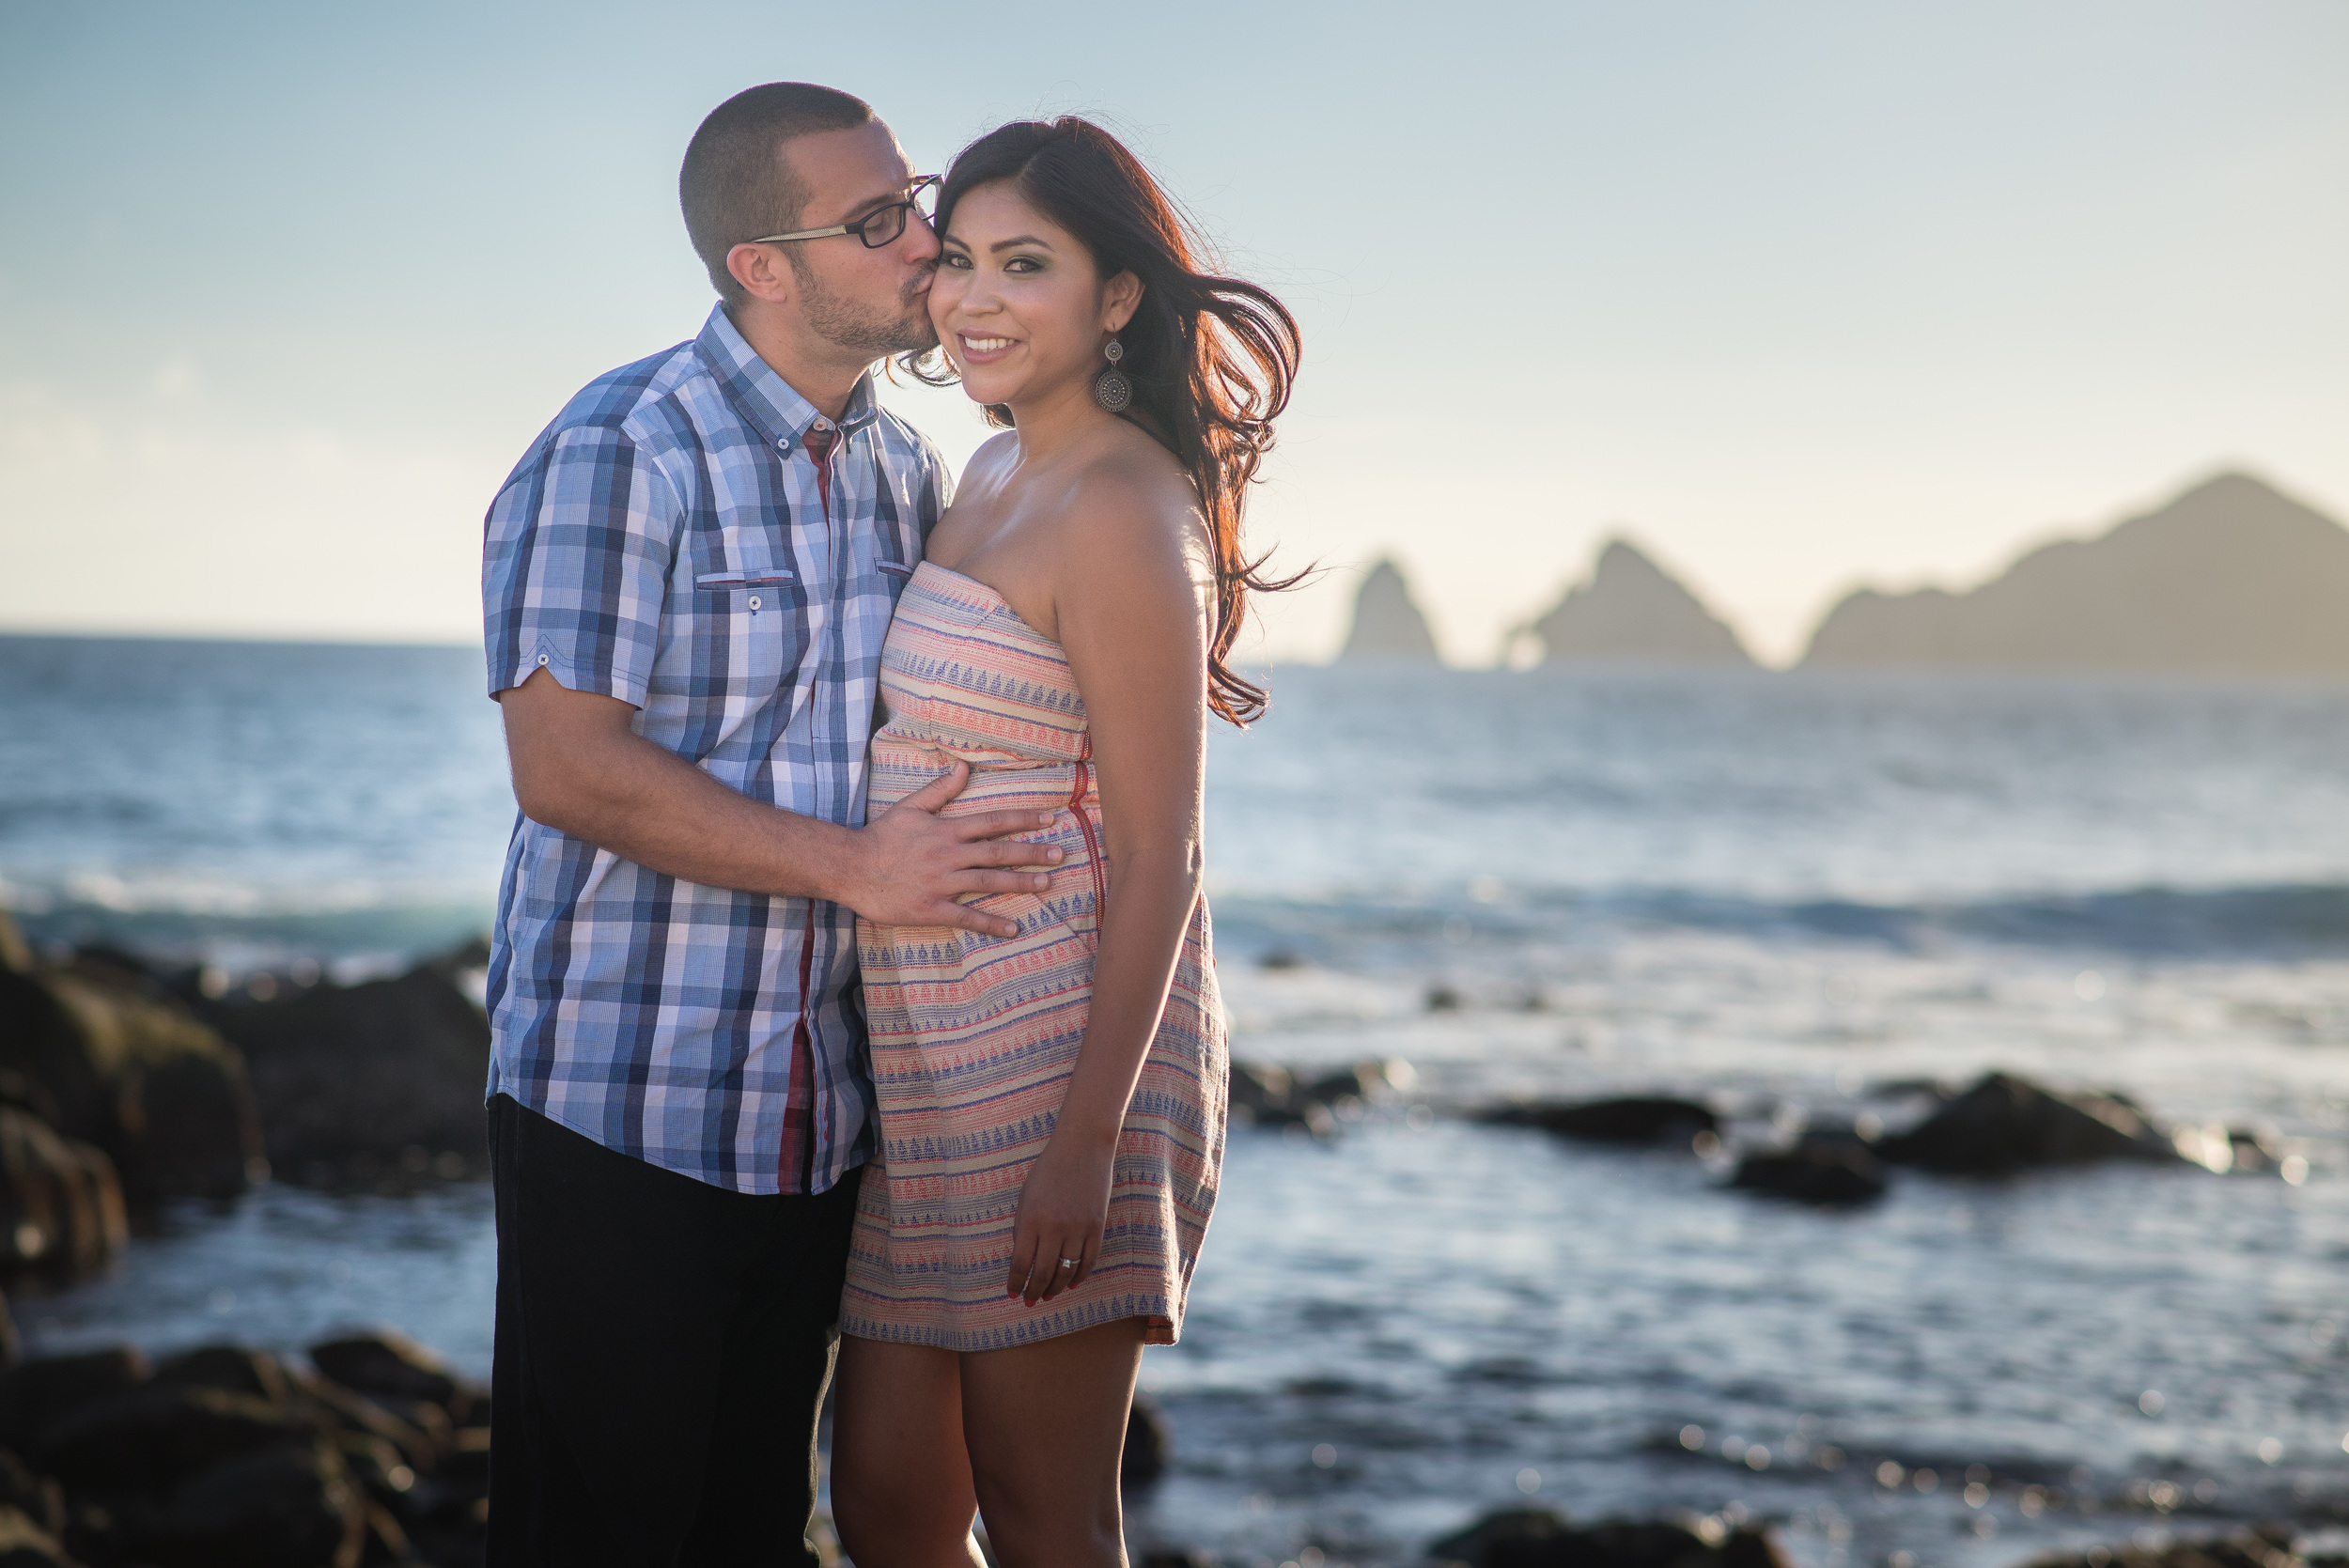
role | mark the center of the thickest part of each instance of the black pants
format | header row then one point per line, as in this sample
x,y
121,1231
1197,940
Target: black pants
x,y
662,1351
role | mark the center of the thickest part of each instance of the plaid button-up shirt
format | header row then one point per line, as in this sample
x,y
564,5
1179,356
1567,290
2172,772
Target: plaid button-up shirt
x,y
677,541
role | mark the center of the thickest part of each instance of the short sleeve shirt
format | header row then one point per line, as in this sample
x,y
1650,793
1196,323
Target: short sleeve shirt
x,y
673,541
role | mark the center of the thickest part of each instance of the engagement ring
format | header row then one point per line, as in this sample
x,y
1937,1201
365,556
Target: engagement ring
x,y
1068,1263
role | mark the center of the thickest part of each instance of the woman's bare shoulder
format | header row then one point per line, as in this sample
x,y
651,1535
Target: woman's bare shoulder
x,y
1133,496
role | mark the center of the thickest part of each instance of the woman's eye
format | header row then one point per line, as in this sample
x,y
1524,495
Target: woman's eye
x,y
1023,264
949,260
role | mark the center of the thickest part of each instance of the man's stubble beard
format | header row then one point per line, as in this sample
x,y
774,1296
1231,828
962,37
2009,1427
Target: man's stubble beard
x,y
860,330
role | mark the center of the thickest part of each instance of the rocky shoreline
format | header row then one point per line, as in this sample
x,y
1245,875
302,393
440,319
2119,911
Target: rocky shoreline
x,y
126,1085
367,1450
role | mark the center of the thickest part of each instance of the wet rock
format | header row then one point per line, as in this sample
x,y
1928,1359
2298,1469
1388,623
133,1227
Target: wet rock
x,y
2268,1547
1271,1096
2003,1124
36,1393
279,1507
1638,1119
1830,1173
154,1438
106,1060
1511,1528
229,1368
26,1543
61,1205
16,954
387,1362
35,1497
382,1080
420,1440
1259,1087
1538,1538
1149,1444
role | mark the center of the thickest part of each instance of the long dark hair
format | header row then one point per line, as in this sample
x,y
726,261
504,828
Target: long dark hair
x,y
1211,358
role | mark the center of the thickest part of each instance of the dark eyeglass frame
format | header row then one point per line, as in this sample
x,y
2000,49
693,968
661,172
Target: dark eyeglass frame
x,y
898,211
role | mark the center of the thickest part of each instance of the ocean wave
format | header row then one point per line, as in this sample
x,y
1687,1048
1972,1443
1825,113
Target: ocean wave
x,y
2282,920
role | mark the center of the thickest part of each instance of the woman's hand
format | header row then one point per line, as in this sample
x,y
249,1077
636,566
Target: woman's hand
x,y
1063,1207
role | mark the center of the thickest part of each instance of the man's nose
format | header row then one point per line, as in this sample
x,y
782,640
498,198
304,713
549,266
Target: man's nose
x,y
921,242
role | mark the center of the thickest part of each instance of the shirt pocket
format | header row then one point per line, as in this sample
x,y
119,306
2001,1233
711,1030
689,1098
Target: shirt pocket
x,y
754,590
752,628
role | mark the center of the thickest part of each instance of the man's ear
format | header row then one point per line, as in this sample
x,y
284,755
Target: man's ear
x,y
1122,296
762,272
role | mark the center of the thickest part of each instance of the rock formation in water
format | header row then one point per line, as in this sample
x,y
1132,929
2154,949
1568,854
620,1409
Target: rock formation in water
x,y
2229,577
1387,625
1632,611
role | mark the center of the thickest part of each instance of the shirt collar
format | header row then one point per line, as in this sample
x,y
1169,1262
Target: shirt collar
x,y
764,399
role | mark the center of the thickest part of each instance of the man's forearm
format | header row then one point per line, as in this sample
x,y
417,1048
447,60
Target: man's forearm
x,y
646,804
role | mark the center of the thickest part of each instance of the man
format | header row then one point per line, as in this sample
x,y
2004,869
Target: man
x,y
687,581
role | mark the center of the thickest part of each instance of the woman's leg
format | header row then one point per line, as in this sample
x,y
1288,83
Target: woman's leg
x,y
901,1493
1045,1425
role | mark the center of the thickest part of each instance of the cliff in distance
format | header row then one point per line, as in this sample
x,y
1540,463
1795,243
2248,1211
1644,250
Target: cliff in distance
x,y
2229,576
1387,625
1631,611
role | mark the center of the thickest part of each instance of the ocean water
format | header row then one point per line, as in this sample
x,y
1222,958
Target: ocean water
x,y
1781,893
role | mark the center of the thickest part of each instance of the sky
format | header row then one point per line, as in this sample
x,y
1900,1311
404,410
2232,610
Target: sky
x,y
1798,296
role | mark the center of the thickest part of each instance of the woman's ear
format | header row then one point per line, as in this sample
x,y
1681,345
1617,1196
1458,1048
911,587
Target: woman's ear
x,y
1121,298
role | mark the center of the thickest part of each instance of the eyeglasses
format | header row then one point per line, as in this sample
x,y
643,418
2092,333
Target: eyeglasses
x,y
877,228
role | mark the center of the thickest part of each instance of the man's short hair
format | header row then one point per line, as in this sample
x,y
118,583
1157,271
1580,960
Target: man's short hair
x,y
735,183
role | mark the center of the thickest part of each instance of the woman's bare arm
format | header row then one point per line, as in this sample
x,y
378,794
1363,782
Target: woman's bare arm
x,y
1133,596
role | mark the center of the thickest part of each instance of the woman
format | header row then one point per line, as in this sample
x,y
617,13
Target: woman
x,y
1052,1104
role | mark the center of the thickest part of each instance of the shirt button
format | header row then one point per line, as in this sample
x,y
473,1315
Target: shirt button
x,y
754,601
542,658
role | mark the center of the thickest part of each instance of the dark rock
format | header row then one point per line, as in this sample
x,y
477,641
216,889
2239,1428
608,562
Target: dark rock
x,y
2267,1547
60,1204
1632,1120
2003,1124
385,1544
1538,1538
26,1543
1257,1087
229,1368
1270,1096
277,1507
387,1362
152,1439
1474,1546
466,1464
16,954
385,1075
39,1498
135,1073
36,1393
328,1403
1825,1171
1149,1444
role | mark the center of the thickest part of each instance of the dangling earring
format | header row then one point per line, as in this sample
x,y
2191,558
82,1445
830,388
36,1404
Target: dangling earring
x,y
1110,389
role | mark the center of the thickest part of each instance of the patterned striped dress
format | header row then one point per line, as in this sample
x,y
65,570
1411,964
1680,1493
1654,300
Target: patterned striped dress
x,y
974,1037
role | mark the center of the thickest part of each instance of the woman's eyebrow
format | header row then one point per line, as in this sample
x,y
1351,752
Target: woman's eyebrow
x,y
1020,239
